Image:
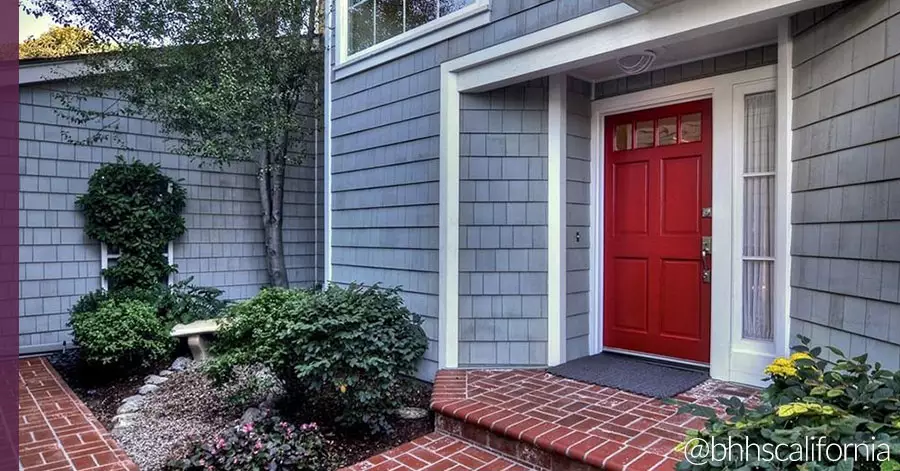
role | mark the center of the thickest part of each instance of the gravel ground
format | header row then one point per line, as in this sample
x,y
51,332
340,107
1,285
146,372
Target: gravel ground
x,y
184,407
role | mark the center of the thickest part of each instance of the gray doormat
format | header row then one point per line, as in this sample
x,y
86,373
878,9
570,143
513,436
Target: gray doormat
x,y
633,374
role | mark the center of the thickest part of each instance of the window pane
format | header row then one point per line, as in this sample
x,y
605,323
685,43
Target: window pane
x,y
360,33
690,127
419,12
759,230
759,142
644,135
449,6
623,137
388,19
666,131
757,301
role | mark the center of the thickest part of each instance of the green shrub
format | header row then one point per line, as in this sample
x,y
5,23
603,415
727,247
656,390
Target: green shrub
x,y
182,302
269,444
340,349
134,207
811,404
121,333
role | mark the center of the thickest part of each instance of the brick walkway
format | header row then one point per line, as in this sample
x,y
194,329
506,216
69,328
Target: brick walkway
x,y
550,423
438,452
56,430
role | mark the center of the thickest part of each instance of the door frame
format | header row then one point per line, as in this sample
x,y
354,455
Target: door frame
x,y
725,362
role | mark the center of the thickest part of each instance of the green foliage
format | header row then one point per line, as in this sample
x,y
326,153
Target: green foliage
x,y
61,41
181,302
812,403
340,349
136,209
230,80
121,333
269,444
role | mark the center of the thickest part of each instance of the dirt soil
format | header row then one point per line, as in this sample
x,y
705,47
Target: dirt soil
x,y
101,390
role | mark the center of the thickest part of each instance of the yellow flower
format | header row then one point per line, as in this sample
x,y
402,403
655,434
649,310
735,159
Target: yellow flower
x,y
782,367
801,356
343,388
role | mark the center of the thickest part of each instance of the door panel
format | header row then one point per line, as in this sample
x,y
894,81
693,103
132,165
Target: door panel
x,y
658,167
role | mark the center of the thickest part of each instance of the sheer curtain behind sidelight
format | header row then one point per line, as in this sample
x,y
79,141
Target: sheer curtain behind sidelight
x,y
759,215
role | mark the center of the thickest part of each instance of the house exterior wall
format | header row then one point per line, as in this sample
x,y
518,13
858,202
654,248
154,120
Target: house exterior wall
x,y
846,178
223,244
503,226
578,217
385,145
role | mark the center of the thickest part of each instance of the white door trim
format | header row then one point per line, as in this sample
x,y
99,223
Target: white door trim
x,y
556,221
721,89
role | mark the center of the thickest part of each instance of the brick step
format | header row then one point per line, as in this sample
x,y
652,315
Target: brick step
x,y
556,424
438,452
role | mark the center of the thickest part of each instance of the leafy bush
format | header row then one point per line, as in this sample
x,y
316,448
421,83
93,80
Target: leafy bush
x,y
339,349
811,404
135,208
181,302
268,444
122,333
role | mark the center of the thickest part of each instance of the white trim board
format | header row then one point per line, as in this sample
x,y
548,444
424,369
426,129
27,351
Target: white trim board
x,y
556,221
580,41
724,363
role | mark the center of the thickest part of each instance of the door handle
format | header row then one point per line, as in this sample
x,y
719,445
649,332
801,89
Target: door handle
x,y
705,252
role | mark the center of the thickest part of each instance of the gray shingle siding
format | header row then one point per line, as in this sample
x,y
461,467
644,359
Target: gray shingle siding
x,y
223,245
503,226
385,145
846,178
578,216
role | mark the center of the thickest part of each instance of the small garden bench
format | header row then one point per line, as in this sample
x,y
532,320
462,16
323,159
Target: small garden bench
x,y
197,334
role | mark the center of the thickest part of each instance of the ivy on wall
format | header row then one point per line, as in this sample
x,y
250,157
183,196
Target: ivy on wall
x,y
134,208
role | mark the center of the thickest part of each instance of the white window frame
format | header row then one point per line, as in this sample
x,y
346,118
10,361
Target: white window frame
x,y
105,257
434,31
752,354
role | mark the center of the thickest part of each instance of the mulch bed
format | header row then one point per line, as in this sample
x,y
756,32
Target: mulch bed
x,y
103,392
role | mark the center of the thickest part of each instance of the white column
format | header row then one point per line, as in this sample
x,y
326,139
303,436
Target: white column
x,y
783,168
448,356
556,222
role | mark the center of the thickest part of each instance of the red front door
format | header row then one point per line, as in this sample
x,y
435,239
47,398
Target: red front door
x,y
658,167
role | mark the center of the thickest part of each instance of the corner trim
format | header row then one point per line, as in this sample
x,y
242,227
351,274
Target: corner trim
x,y
448,316
556,221
783,176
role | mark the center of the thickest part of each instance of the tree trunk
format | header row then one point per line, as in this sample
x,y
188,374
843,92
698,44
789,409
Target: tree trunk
x,y
271,193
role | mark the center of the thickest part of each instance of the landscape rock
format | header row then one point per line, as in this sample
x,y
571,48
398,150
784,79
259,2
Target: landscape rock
x,y
412,413
137,398
154,379
252,415
180,364
165,373
125,420
147,389
129,407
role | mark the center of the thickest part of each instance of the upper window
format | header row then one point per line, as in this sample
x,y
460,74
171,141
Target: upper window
x,y
370,22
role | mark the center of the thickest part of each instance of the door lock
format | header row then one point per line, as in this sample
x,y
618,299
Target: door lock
x,y
705,252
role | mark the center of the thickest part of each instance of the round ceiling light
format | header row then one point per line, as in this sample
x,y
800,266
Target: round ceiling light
x,y
637,63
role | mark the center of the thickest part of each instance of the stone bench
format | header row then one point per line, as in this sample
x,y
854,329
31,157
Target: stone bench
x,y
197,334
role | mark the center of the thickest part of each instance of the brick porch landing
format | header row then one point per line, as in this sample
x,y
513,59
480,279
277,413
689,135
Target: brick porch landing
x,y
551,423
56,430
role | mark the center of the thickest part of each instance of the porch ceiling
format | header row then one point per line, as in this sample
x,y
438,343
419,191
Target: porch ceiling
x,y
736,39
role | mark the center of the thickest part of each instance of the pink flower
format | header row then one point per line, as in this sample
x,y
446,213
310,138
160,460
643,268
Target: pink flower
x,y
258,445
248,427
220,443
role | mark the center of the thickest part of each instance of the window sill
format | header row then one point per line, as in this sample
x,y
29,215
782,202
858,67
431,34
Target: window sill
x,y
454,24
